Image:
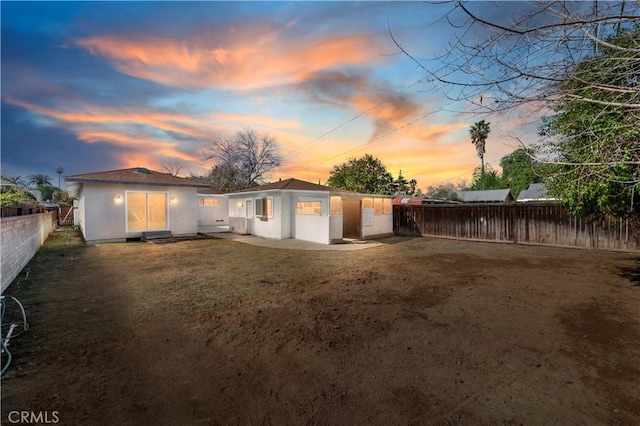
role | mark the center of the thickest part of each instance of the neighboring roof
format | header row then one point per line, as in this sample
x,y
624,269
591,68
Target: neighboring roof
x,y
405,200
139,175
488,196
210,191
535,192
292,185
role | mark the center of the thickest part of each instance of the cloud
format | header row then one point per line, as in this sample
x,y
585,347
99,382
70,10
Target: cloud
x,y
240,60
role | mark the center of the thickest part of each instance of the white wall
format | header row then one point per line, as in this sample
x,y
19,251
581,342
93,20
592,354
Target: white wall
x,y
311,227
335,227
381,224
213,215
105,220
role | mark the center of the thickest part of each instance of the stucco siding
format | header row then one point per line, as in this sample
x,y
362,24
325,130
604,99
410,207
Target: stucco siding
x,y
104,219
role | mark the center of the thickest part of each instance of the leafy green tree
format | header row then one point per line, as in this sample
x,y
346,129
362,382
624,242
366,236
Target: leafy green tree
x,y
47,191
366,175
37,180
16,196
593,139
479,133
487,179
401,184
519,170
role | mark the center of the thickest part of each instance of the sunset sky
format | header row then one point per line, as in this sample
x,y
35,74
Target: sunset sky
x,y
96,86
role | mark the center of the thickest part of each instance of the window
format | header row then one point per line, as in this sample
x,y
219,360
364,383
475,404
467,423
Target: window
x,y
336,206
367,203
377,206
387,208
309,208
264,207
209,202
146,211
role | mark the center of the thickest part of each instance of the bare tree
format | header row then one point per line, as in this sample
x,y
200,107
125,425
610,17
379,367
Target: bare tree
x,y
251,155
522,52
173,167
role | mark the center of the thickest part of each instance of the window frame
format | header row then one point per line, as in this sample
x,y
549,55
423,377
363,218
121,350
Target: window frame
x,y
147,215
309,204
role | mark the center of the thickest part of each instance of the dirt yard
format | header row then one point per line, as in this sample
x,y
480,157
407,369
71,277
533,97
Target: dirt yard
x,y
418,331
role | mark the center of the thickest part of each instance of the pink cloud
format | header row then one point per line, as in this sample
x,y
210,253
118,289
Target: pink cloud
x,y
230,63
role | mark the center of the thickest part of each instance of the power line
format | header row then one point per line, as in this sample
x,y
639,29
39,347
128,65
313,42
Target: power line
x,y
352,119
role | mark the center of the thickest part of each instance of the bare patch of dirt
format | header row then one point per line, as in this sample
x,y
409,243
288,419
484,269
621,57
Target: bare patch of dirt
x,y
418,331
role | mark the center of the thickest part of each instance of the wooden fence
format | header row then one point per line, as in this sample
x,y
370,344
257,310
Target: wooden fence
x,y
516,223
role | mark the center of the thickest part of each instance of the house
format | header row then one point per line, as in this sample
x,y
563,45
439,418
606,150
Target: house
x,y
487,196
307,211
213,209
536,193
117,205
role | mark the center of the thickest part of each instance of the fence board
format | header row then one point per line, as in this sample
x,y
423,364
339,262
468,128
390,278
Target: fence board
x,y
516,223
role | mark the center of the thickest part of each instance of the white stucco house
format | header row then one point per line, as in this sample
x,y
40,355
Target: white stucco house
x,y
117,205
307,211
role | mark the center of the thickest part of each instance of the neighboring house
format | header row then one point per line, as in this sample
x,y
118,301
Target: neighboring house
x,y
536,193
213,208
306,211
120,204
488,196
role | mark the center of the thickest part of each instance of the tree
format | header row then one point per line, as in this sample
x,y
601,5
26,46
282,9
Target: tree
x,y
595,146
16,180
366,175
16,196
446,191
577,59
59,171
37,180
479,133
173,167
253,155
486,179
401,185
519,170
225,178
504,55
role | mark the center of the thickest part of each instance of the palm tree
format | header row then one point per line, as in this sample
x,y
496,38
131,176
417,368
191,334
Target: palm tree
x,y
16,180
59,171
39,180
479,133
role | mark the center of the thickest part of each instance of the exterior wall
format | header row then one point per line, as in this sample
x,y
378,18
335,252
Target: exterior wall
x,y
104,220
213,215
335,227
382,225
237,214
21,237
311,227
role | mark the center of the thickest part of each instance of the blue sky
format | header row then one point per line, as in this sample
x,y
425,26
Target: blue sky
x,y
95,86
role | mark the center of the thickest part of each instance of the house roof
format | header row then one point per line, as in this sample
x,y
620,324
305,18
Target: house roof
x,y
139,175
293,184
405,200
535,192
487,196
210,191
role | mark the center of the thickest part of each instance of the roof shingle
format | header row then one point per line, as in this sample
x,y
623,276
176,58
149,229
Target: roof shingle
x,y
139,175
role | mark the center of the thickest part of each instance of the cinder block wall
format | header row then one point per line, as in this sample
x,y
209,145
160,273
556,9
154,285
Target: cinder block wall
x,y
20,238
